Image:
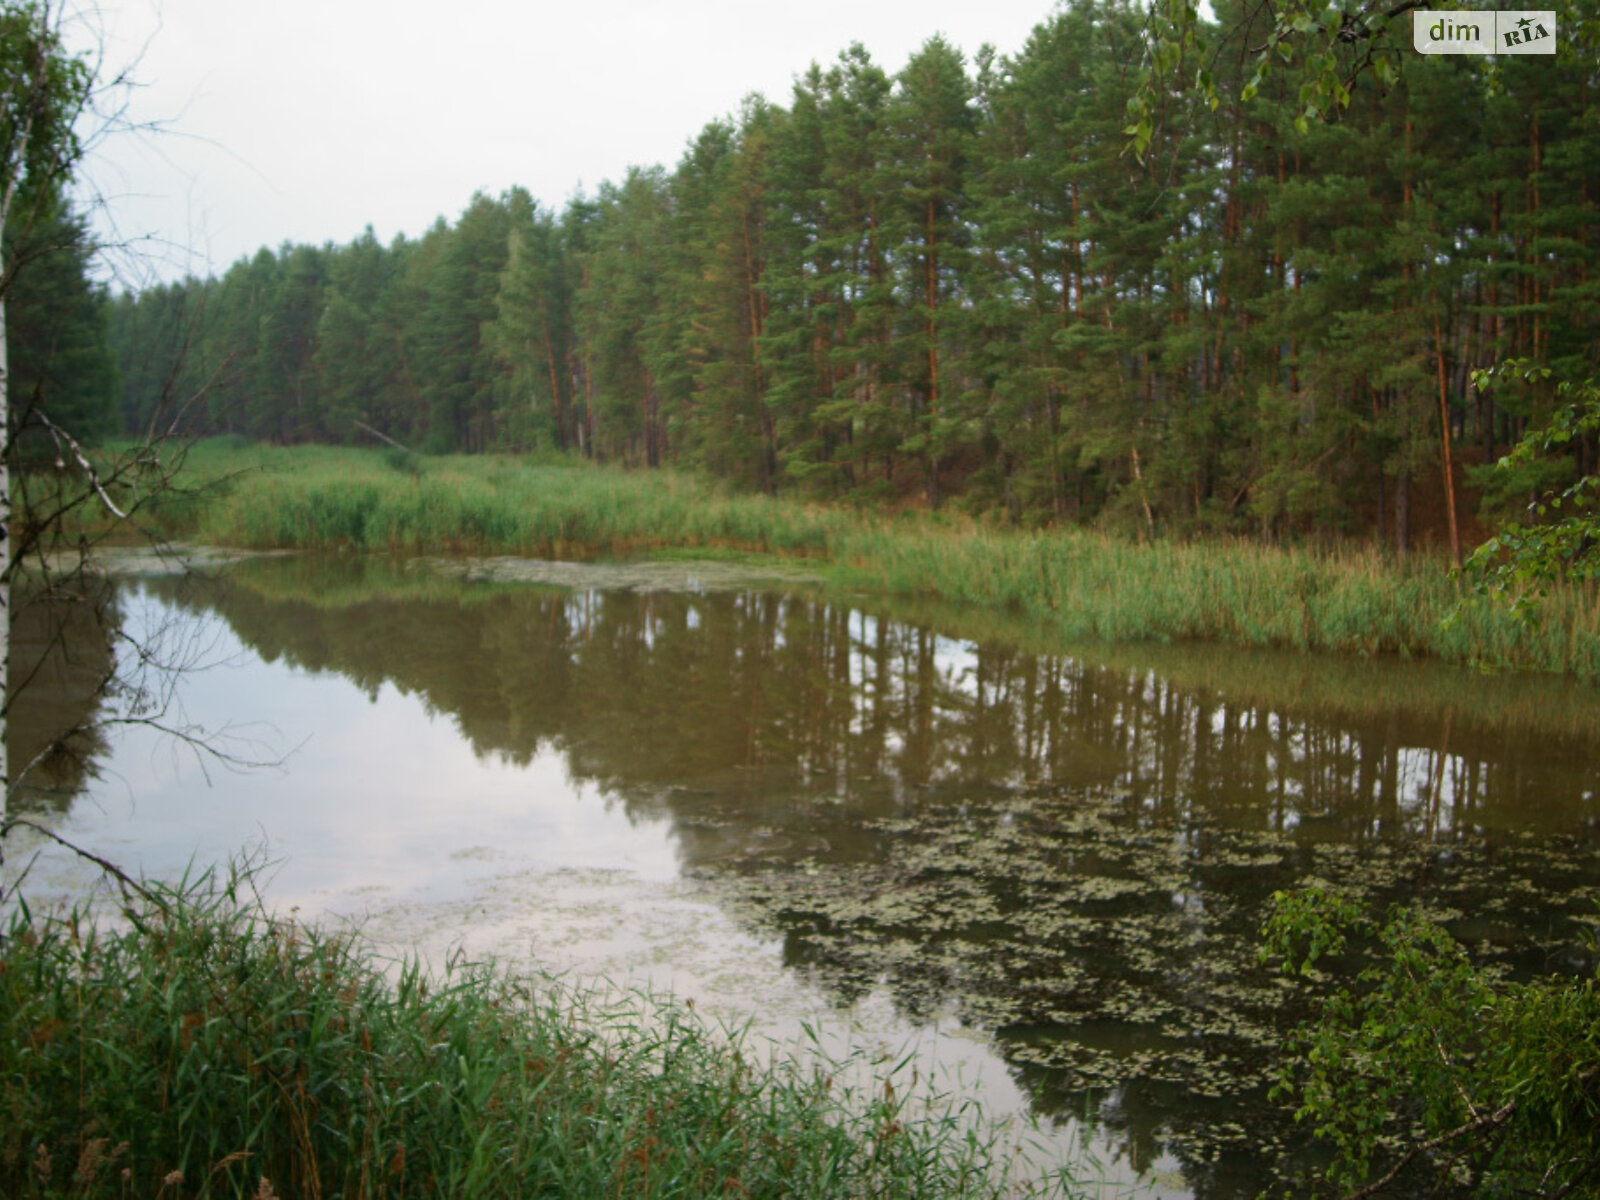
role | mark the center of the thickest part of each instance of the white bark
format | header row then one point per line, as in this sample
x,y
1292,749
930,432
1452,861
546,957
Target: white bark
x,y
5,549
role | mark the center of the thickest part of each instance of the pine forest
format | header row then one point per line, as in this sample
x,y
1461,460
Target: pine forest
x,y
959,286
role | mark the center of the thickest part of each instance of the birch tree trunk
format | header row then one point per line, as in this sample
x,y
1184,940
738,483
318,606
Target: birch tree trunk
x,y
8,193
5,546
43,91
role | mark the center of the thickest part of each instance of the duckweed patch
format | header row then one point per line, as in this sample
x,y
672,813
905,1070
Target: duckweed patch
x,y
1114,953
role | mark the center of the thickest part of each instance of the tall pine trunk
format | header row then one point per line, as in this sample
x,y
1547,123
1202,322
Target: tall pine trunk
x,y
1402,514
1444,425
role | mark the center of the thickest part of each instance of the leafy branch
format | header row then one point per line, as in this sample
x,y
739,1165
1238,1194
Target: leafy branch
x,y
1560,539
1434,1063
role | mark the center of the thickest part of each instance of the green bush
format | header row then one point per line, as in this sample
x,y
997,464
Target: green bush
x,y
403,461
1429,1069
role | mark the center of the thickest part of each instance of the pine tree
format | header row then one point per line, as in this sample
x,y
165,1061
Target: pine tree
x,y
285,406
62,372
356,356
453,281
829,283
932,125
625,321
724,423
531,334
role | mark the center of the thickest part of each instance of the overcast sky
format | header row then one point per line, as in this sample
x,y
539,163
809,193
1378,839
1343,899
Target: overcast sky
x,y
306,120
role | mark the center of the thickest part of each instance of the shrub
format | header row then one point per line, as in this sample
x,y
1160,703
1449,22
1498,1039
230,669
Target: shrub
x,y
1429,1065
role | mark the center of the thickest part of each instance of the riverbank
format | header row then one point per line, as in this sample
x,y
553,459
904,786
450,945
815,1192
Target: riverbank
x,y
1073,584
206,1049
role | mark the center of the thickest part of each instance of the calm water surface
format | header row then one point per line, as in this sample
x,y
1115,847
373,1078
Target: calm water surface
x,y
1043,871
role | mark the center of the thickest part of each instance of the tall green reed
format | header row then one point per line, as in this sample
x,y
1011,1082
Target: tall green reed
x,y
208,1049
1077,584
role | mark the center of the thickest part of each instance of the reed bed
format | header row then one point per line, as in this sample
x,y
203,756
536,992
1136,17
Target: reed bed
x,y
1074,584
1080,585
205,1049
318,497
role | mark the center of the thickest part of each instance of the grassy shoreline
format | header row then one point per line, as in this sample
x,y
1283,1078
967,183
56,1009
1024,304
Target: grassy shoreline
x,y
1074,584
207,1049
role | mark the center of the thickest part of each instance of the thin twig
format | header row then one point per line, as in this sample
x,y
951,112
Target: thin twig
x,y
1474,1126
124,880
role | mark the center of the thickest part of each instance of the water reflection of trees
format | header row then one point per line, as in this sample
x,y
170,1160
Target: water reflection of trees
x,y
653,693
62,662
1072,855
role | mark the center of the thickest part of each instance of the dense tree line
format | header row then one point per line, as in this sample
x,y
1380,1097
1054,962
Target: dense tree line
x,y
957,283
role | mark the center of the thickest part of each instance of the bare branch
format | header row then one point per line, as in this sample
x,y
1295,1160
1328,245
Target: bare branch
x,y
1481,1124
125,881
382,437
60,435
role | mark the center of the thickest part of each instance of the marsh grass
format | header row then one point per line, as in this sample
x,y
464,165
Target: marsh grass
x,y
1072,584
318,497
1079,585
207,1049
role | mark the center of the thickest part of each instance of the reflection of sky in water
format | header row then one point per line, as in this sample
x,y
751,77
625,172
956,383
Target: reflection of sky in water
x,y
376,796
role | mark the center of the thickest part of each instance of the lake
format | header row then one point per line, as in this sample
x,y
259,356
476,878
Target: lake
x,y
902,829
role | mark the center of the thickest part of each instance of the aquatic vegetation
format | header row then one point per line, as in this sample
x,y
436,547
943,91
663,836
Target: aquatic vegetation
x,y
319,497
1114,949
1081,585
